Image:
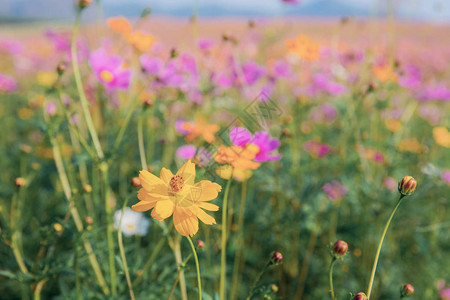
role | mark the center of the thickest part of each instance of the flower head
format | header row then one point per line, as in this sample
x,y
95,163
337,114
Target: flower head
x,y
109,70
303,47
407,186
241,137
198,128
178,195
340,248
133,223
334,190
360,296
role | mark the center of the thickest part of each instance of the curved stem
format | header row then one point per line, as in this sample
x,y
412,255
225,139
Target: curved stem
x,y
258,278
375,263
141,143
223,253
83,99
330,274
197,265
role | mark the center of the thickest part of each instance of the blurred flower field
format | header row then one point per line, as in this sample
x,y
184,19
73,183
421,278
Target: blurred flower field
x,y
153,158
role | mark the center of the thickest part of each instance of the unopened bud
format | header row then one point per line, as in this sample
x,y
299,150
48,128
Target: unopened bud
x,y
87,188
148,103
19,181
276,258
407,186
25,148
200,244
57,227
61,68
340,248
84,3
135,182
360,296
286,132
173,53
89,220
406,290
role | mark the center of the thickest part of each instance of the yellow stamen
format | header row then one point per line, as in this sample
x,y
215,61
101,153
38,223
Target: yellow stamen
x,y
106,76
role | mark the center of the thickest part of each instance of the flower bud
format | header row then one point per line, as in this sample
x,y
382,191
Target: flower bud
x,y
148,103
57,227
84,3
19,181
135,182
87,188
200,244
173,53
360,296
340,249
407,186
25,148
276,258
406,290
89,220
61,68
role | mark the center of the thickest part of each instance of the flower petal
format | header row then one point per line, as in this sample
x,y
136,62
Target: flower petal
x,y
164,209
185,221
150,181
187,171
207,190
165,175
208,206
205,218
143,206
240,136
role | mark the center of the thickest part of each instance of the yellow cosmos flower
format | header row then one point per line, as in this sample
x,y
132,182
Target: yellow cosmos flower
x,y
303,47
178,195
442,136
385,73
227,171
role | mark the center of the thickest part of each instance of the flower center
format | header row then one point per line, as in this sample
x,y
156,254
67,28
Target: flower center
x,y
106,76
176,183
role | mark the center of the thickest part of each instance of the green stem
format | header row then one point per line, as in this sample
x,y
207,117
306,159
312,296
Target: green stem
x,y
38,289
122,252
223,253
109,230
150,261
375,263
330,274
197,265
82,95
258,278
141,143
125,124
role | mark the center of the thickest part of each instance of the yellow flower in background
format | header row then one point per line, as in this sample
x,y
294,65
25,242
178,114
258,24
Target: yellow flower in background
x,y
385,73
25,113
393,125
303,47
239,157
227,171
441,136
178,195
200,128
140,40
411,145
119,25
46,79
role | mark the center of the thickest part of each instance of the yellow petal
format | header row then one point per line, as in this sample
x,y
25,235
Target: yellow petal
x,y
205,218
185,222
165,175
164,209
143,195
207,190
208,206
143,206
149,181
187,171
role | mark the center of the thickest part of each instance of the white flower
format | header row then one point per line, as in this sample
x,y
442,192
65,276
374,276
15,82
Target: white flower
x,y
133,223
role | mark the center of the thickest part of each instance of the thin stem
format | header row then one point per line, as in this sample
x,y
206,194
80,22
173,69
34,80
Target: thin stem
x,y
125,124
258,278
38,289
178,258
82,95
223,253
76,216
150,261
197,265
122,251
141,143
330,274
178,277
16,234
375,263
109,230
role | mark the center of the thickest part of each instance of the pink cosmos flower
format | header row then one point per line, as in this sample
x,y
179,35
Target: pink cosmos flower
x,y
7,84
151,64
334,190
390,183
317,149
205,45
186,152
324,113
445,175
109,70
241,137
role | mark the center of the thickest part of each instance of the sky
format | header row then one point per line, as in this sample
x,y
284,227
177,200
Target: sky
x,y
430,10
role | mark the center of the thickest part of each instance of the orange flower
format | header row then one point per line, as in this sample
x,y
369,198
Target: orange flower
x,y
303,47
441,136
411,145
119,25
140,40
384,73
239,157
200,128
178,195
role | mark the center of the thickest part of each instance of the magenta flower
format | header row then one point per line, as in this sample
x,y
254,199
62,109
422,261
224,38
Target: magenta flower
x,y
390,183
186,152
252,72
205,45
334,190
324,113
109,70
150,64
322,83
7,84
445,175
411,78
179,127
317,149
241,137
